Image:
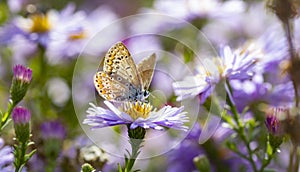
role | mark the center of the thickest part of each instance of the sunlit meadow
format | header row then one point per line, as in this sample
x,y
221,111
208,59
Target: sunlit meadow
x,y
149,85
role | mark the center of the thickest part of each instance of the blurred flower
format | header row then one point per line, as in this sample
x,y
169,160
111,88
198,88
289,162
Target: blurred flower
x,y
21,80
53,134
181,158
58,91
231,65
236,28
74,30
257,90
7,157
136,114
191,9
61,33
53,130
16,5
94,156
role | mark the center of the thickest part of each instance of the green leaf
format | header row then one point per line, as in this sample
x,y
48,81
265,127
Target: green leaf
x,y
119,168
232,146
4,13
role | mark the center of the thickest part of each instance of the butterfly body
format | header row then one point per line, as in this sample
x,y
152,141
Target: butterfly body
x,y
121,79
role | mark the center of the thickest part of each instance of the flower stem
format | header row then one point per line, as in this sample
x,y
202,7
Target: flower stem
x,y
297,159
293,58
291,161
136,138
239,128
20,157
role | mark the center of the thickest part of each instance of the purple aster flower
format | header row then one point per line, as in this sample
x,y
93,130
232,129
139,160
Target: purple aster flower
x,y
7,157
181,158
136,114
74,30
22,74
232,65
21,115
53,130
257,90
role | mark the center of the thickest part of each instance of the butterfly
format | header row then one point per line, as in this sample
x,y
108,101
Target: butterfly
x,y
121,79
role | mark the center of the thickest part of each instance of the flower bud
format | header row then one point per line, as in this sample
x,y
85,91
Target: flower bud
x,y
21,118
21,80
87,168
284,9
273,120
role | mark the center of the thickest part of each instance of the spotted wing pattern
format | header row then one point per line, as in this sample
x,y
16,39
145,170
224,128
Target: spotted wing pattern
x,y
146,70
118,62
109,88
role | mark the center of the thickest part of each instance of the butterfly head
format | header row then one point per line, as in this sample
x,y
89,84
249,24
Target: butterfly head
x,y
142,96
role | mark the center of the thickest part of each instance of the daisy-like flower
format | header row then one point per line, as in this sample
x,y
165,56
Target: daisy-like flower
x,y
230,66
136,114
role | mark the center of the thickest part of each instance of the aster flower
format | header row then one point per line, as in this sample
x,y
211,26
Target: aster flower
x,y
53,130
136,114
74,30
21,80
230,66
256,90
61,33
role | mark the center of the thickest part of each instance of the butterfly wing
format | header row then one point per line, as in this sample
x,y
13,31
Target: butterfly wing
x,y
146,70
119,62
109,88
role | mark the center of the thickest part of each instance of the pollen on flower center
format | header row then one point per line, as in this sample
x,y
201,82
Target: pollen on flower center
x,y
40,23
137,109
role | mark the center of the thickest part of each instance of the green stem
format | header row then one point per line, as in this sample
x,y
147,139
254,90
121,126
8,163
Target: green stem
x,y
135,146
266,163
136,138
20,159
240,128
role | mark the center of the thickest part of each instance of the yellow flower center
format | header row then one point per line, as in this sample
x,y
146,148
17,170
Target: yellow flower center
x,y
77,36
137,109
40,23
